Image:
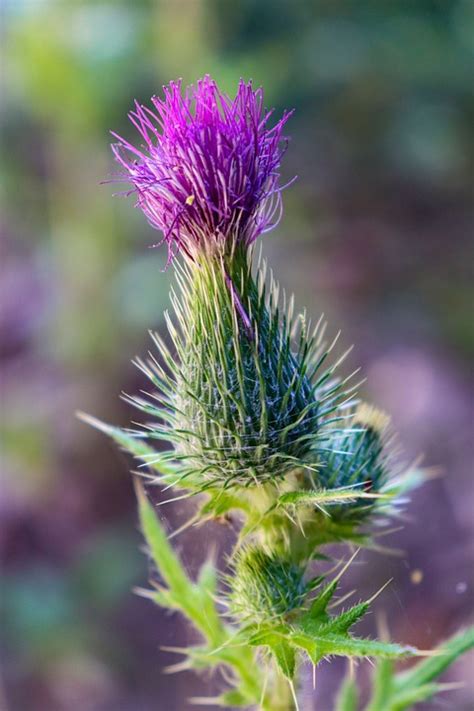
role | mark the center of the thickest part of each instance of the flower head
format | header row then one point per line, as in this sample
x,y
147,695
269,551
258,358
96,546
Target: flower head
x,y
264,587
359,458
208,172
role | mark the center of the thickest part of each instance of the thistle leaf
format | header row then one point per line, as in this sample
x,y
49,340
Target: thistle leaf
x,y
347,698
396,692
285,658
278,640
165,559
382,685
319,646
406,699
194,600
342,623
317,610
430,668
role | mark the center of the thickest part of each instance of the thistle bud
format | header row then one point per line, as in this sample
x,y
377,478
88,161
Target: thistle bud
x,y
237,397
264,587
357,459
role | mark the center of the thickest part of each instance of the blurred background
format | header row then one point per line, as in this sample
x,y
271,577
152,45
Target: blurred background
x,y
376,234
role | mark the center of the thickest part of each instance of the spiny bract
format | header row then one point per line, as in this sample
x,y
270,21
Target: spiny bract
x,y
264,587
357,458
243,397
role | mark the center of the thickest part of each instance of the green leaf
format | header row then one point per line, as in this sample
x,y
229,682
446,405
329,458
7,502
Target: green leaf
x,y
347,698
429,669
398,692
285,657
407,699
319,646
342,623
167,562
277,639
264,635
382,685
319,604
354,647
194,600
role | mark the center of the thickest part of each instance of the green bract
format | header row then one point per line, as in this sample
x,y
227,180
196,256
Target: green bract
x,y
357,458
264,587
241,395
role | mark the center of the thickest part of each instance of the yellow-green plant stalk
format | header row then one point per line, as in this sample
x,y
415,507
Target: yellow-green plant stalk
x,y
248,411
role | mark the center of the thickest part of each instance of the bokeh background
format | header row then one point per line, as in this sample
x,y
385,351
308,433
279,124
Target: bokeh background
x,y
376,234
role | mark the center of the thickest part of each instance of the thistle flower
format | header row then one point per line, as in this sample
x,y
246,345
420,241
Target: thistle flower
x,y
208,173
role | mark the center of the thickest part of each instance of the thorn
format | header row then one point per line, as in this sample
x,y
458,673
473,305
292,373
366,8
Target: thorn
x,y
341,600
382,626
264,687
375,595
451,685
428,652
175,498
139,490
185,525
93,422
386,550
144,592
341,572
179,667
389,531
204,700
293,693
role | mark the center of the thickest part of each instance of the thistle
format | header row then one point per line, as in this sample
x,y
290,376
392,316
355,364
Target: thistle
x,y
207,176
253,415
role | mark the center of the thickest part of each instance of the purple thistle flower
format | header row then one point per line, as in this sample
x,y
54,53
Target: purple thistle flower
x,y
208,173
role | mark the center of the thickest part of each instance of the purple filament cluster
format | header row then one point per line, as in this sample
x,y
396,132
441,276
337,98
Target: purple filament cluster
x,y
207,173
